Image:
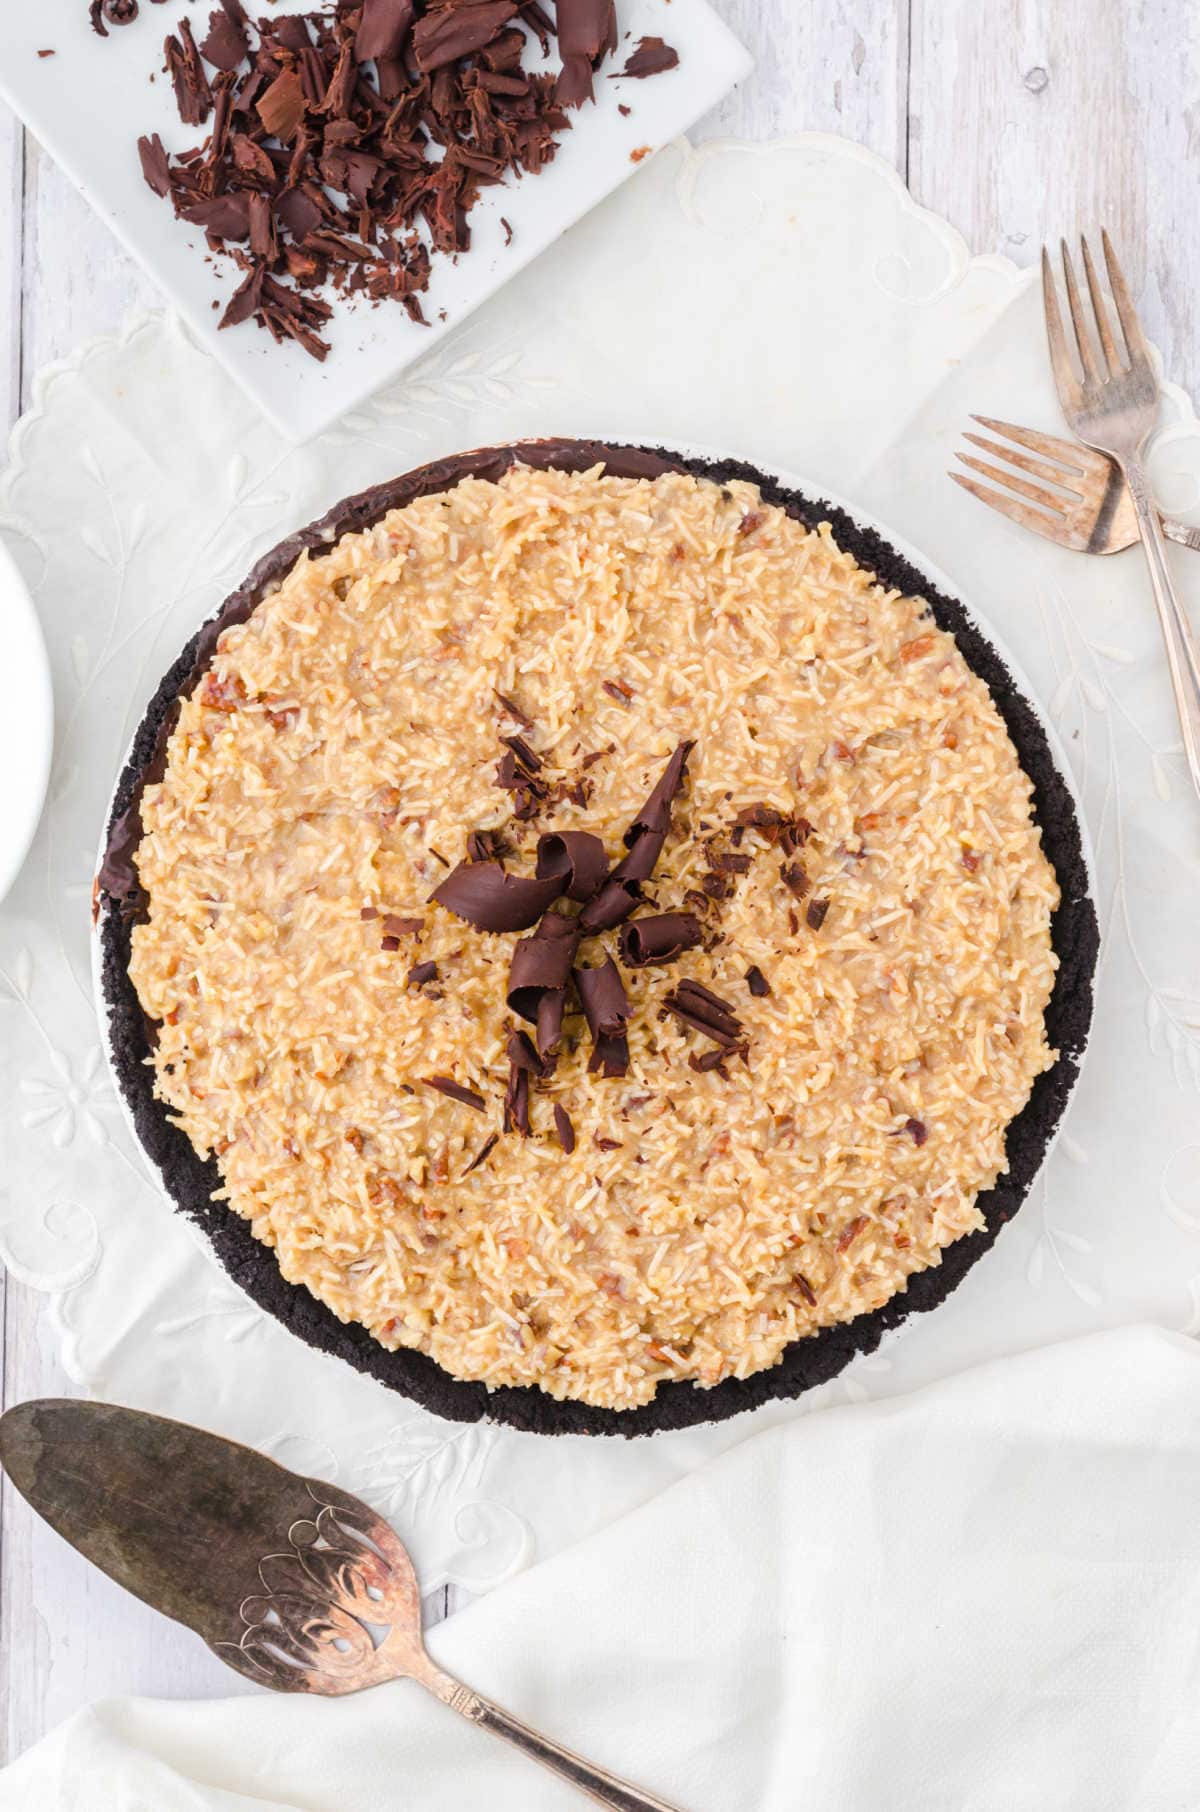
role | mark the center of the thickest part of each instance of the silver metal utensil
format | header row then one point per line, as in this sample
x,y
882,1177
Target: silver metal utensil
x,y
1067,492
292,1582
1110,397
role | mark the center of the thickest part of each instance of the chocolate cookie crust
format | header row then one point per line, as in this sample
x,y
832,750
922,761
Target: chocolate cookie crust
x,y
807,1362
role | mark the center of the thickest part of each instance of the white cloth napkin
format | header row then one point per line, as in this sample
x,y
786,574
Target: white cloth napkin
x,y
983,1597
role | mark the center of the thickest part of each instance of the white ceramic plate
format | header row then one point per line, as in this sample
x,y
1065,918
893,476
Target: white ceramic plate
x,y
90,101
26,721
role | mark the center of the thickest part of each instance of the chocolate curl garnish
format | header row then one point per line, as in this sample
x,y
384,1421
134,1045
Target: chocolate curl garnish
x,y
644,840
577,856
541,965
587,32
486,896
659,938
654,819
703,1011
606,1006
523,1062
613,904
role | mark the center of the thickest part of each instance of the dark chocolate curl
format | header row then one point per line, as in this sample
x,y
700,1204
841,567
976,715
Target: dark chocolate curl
x,y
549,1020
660,938
703,1011
610,1056
613,904
649,831
541,964
487,897
523,1062
655,815
578,856
604,999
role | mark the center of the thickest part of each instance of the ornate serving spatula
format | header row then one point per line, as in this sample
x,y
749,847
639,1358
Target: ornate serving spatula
x,y
294,1583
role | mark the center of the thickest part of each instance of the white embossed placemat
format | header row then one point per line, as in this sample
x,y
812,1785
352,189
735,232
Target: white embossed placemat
x,y
788,303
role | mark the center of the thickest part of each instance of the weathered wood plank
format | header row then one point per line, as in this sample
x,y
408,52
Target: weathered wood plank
x,y
1030,119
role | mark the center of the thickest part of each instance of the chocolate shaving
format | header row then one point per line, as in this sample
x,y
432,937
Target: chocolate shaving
x,y
420,973
514,710
587,33
489,898
397,927
644,839
794,876
564,1129
193,96
357,139
384,29
703,1011
577,857
519,773
485,1151
446,1085
155,167
483,845
815,916
659,938
757,982
458,30
226,44
917,1131
652,57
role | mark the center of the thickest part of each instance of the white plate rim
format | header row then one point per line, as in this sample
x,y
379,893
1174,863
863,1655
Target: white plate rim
x,y
33,732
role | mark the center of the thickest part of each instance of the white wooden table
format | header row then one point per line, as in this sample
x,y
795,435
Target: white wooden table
x,y
1013,118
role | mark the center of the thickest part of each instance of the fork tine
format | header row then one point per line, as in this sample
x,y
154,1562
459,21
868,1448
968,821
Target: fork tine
x,y
1083,339
1068,454
1112,357
1037,468
1054,527
1001,475
1065,381
1131,327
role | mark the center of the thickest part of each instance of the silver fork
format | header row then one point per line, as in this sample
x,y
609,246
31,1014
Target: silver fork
x,y
1111,402
1069,493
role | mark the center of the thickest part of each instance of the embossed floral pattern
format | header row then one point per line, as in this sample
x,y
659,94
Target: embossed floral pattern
x,y
130,523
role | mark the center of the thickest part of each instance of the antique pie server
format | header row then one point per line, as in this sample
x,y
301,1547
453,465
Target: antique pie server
x,y
294,1583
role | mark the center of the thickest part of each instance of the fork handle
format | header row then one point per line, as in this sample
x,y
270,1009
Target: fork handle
x,y
1181,532
1183,655
600,1786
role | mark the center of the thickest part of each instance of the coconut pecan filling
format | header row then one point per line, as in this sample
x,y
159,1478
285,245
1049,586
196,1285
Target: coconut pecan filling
x,y
830,979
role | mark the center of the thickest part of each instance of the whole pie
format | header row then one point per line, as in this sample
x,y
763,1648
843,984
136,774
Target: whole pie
x,y
582,919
